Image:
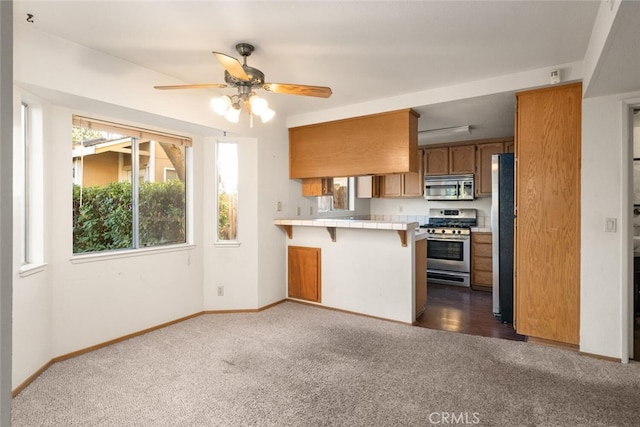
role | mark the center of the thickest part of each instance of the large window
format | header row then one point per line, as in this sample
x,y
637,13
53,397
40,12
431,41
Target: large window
x,y
227,191
129,187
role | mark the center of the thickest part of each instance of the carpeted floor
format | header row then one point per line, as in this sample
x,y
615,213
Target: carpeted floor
x,y
296,365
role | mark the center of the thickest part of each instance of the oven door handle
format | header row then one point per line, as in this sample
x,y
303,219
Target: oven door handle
x,y
448,240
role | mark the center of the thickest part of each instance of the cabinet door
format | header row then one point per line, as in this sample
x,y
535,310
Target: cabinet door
x,y
317,187
548,213
391,185
481,259
367,186
421,276
436,161
462,159
483,177
413,183
304,273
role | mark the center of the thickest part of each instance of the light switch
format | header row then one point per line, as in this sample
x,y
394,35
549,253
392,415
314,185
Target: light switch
x,y
611,225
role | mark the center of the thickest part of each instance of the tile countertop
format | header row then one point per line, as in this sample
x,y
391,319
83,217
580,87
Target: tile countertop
x,y
349,223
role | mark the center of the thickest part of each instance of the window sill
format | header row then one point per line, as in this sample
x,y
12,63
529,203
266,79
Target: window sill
x,y
128,253
29,269
234,244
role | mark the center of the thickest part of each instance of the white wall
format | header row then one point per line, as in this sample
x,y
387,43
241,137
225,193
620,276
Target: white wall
x,y
32,293
606,193
365,271
71,304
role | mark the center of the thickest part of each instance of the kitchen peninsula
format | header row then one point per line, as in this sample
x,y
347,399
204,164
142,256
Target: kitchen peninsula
x,y
376,268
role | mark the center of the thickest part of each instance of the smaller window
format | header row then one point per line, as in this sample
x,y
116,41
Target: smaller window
x,y
170,174
227,191
342,198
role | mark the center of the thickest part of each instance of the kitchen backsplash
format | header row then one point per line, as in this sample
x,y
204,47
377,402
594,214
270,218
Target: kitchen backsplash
x,y
483,221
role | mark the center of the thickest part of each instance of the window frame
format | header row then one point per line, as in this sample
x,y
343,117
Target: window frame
x,y
217,241
137,133
351,198
29,176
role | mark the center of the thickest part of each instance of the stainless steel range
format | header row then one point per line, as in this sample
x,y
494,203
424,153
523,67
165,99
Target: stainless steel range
x,y
449,245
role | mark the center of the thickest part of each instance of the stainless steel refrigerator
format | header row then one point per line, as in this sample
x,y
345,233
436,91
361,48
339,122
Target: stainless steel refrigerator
x,y
502,216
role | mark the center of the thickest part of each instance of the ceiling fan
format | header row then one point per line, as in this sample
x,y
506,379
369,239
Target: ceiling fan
x,y
247,79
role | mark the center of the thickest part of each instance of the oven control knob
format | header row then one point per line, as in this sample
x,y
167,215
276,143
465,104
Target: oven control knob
x,y
443,231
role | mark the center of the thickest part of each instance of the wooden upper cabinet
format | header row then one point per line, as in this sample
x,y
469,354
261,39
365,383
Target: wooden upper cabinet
x,y
509,147
317,187
377,144
367,186
547,241
436,161
403,185
462,159
483,175
454,160
391,186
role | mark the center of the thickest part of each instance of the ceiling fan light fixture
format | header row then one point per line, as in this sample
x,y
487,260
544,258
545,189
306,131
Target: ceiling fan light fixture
x,y
258,105
267,115
233,113
245,79
221,105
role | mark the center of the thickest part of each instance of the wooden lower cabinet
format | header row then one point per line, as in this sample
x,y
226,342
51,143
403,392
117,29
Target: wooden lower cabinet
x,y
481,260
421,276
304,279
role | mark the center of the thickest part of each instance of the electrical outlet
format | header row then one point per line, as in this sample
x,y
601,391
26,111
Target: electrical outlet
x,y
279,206
310,210
401,209
220,291
298,211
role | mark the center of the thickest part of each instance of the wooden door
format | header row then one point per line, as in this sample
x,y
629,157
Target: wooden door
x,y
548,213
436,161
462,159
304,273
483,177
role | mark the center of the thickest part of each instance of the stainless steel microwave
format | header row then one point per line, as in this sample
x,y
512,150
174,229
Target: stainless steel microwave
x,y
449,187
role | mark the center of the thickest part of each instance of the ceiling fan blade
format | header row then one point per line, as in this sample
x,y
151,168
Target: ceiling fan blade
x,y
304,90
232,65
196,86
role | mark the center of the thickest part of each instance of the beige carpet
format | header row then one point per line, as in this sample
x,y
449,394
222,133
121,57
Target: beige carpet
x,y
295,365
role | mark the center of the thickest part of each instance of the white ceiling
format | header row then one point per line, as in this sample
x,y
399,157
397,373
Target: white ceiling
x,y
363,50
